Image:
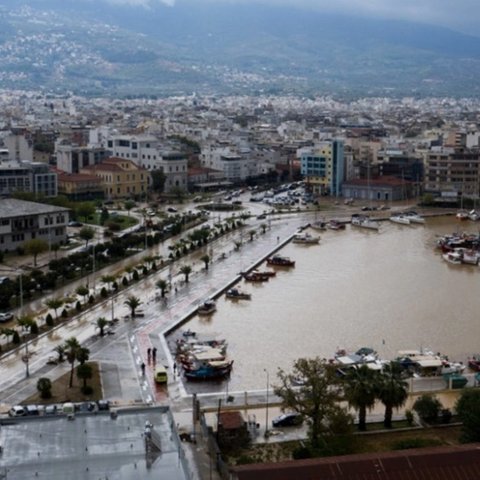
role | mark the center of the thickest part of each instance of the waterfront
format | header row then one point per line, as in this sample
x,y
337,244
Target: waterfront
x,y
389,290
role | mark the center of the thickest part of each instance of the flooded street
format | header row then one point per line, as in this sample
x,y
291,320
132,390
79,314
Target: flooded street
x,y
389,290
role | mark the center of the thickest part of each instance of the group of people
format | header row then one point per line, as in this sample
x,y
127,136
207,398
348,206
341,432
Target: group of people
x,y
151,355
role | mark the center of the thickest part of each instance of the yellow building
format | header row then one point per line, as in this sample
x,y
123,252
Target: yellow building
x,y
78,186
121,177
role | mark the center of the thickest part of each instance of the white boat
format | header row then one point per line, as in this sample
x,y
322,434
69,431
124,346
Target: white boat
x,y
305,238
473,215
363,221
400,219
319,225
462,256
462,215
414,217
427,364
207,308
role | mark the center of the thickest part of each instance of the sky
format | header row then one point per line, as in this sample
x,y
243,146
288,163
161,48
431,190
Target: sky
x,y
462,15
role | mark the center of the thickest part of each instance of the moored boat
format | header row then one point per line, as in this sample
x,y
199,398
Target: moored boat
x,y
305,239
400,219
414,217
207,308
473,216
319,225
237,294
336,225
474,363
462,256
462,215
209,372
427,364
255,277
363,221
279,261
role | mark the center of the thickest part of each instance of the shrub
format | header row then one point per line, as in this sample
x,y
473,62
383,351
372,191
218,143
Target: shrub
x,y
87,390
34,328
468,410
49,320
20,250
446,415
91,299
103,292
135,275
428,407
78,306
301,452
115,286
124,281
409,417
44,386
415,442
15,338
145,270
64,313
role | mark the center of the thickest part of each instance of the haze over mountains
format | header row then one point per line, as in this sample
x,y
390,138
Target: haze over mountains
x,y
97,48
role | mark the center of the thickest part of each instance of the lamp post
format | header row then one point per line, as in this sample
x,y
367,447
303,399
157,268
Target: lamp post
x,y
266,407
25,328
93,269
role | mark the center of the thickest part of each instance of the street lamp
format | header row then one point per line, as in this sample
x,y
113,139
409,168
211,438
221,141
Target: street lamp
x,y
266,408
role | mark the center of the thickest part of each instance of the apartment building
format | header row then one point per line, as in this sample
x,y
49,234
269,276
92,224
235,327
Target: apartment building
x,y
32,177
72,158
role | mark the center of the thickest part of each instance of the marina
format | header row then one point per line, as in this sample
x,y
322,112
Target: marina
x,y
342,294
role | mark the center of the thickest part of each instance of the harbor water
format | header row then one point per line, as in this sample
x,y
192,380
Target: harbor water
x,y
389,290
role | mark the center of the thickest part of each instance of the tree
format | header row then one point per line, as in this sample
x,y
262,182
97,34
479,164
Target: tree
x,y
186,270
86,210
34,247
317,399
44,386
71,348
468,409
109,280
263,226
252,233
178,193
84,372
54,304
55,248
86,233
60,351
129,204
102,322
158,180
132,302
83,291
104,216
427,407
83,354
163,286
393,390
206,260
360,386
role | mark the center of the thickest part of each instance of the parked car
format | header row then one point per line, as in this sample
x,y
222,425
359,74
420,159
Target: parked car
x,y
6,317
50,410
287,420
32,410
17,411
172,210
103,404
74,223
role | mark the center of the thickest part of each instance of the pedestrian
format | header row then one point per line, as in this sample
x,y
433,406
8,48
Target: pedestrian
x,y
142,366
149,352
174,370
154,354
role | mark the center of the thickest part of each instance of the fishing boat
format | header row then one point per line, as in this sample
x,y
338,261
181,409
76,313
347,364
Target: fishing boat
x,y
255,277
363,221
305,239
336,225
237,294
448,243
462,215
427,364
364,356
279,261
265,273
319,225
474,363
209,372
207,307
462,256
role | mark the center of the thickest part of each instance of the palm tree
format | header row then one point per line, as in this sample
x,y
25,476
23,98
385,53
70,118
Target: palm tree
x,y
83,354
133,303
102,322
186,270
84,372
360,388
263,226
44,386
252,234
163,286
55,304
206,260
393,390
25,322
71,348
60,351
8,332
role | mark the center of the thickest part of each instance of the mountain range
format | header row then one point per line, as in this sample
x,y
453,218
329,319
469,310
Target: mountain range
x,y
98,48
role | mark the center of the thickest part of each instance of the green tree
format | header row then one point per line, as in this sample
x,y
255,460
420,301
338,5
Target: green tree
x,y
252,233
8,332
393,390
71,348
87,234
158,180
54,304
60,351
85,210
178,193
129,204
317,399
34,247
44,387
163,286
206,260
427,407
104,216
83,291
360,386
84,373
109,280
468,409
83,354
263,226
186,270
101,324
132,302
55,248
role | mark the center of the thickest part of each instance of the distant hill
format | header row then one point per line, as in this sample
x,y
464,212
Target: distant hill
x,y
98,48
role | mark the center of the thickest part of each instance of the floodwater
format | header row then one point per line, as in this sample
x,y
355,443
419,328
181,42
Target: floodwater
x,y
389,290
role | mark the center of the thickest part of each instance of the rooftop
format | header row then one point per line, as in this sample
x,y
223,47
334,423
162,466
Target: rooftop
x,y
92,446
11,207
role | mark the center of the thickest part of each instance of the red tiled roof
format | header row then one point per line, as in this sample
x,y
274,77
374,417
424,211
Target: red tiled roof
x,y
231,420
460,462
77,177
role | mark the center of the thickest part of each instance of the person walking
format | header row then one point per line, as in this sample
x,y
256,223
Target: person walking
x,y
142,367
154,354
149,353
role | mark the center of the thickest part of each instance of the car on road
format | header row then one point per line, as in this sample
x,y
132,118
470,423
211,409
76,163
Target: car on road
x,y
6,317
172,210
17,411
74,223
290,419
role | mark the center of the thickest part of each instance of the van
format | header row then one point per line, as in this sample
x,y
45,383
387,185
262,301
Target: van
x,y
161,374
68,408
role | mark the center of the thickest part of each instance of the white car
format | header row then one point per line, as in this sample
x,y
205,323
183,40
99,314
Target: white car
x,y
17,411
6,317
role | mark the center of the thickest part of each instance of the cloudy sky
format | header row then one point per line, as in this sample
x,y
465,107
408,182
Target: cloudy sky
x,y
461,15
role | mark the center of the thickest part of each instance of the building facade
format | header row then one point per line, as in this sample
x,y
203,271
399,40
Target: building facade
x,y
36,178
121,178
323,167
21,221
72,158
80,186
175,168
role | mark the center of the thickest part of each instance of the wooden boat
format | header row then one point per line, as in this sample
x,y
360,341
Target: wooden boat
x,y
280,261
336,225
255,277
236,294
319,225
363,221
207,308
212,371
474,363
305,239
265,273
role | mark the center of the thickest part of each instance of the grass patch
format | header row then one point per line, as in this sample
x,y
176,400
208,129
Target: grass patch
x,y
371,427
123,220
61,392
416,442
